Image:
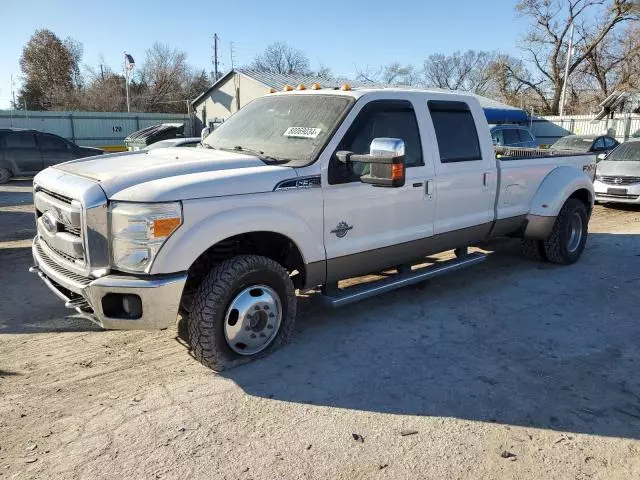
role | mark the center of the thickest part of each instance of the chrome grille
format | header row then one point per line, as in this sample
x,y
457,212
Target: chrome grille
x,y
46,259
618,180
55,195
59,224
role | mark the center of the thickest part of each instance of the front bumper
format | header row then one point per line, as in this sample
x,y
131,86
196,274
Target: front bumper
x,y
159,294
617,193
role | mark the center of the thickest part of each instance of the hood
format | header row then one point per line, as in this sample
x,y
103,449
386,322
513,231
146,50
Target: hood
x,y
168,174
614,168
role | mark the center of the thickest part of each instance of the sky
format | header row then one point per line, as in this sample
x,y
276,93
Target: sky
x,y
344,35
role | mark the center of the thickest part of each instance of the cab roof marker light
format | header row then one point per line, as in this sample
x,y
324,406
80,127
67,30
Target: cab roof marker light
x,y
287,88
271,90
301,87
316,86
345,87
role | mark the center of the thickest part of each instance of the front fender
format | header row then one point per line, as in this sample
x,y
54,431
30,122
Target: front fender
x,y
553,192
193,238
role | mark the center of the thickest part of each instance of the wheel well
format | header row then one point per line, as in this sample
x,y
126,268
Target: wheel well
x,y
272,245
584,196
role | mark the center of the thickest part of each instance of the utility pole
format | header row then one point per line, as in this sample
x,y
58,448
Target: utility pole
x,y
215,57
128,66
13,96
566,72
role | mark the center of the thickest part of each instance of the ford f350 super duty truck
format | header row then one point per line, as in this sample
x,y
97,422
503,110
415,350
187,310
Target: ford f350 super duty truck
x,y
298,190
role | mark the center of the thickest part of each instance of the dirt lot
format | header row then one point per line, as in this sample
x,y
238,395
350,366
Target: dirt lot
x,y
508,370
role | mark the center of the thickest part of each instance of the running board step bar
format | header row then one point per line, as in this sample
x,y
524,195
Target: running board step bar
x,y
340,297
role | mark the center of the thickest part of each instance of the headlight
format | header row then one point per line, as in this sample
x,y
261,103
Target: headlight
x,y
138,230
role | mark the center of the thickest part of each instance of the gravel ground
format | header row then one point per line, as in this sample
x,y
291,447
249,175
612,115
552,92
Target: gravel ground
x,y
510,369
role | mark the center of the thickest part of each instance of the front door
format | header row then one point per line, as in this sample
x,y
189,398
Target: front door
x,y
55,149
22,151
369,228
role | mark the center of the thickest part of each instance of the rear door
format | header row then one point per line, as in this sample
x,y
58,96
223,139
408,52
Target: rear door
x,y
22,151
465,177
55,149
369,228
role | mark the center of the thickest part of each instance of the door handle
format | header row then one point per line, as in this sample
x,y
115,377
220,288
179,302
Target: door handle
x,y
428,188
485,179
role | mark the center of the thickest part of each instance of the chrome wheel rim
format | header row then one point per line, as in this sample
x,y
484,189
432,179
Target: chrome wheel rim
x,y
575,232
252,320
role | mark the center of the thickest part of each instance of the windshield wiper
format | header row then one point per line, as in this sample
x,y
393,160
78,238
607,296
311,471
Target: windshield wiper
x,y
258,153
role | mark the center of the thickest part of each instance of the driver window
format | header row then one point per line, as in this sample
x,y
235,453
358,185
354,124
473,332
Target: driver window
x,y
392,119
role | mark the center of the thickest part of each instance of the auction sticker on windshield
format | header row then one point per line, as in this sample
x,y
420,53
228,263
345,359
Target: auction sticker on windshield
x,y
302,132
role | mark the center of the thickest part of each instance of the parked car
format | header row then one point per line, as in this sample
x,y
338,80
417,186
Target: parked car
x,y
618,175
599,145
296,191
174,142
513,136
26,152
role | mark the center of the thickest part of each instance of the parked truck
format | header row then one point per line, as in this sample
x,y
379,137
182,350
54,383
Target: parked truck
x,y
298,190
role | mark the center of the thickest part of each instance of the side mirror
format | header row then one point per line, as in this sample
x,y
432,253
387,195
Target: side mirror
x,y
601,157
386,162
205,131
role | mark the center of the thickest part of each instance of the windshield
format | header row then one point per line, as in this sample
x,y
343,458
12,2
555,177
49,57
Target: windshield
x,y
627,152
290,128
575,144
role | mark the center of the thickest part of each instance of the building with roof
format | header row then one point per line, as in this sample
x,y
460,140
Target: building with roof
x,y
240,86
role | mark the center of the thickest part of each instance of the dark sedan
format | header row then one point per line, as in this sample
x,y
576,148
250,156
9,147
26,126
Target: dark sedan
x,y
586,144
26,152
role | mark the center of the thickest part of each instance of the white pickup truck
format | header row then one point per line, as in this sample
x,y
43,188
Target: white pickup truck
x,y
298,190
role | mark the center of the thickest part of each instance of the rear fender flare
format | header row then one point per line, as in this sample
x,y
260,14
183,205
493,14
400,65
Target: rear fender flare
x,y
553,192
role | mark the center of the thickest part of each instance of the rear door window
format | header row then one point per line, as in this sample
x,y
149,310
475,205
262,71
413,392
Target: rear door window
x,y
22,140
455,131
51,143
609,142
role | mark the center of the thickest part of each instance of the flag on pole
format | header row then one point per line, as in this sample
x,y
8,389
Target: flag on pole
x,y
129,62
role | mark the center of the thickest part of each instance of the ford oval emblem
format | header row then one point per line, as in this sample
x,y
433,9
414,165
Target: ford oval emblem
x,y
50,222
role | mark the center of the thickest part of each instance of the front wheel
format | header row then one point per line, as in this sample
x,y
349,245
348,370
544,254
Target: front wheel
x,y
5,175
244,308
568,237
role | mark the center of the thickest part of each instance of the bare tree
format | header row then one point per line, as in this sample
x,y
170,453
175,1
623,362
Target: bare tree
x,y
469,71
162,80
48,67
391,74
281,58
546,43
613,64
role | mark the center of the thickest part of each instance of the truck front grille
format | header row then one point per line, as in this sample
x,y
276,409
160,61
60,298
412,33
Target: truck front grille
x,y
61,230
56,267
